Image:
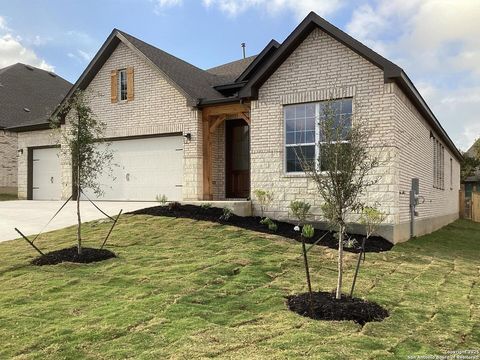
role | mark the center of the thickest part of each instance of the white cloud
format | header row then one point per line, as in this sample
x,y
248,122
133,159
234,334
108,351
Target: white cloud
x,y
236,7
299,7
160,5
3,24
438,43
81,56
12,50
168,3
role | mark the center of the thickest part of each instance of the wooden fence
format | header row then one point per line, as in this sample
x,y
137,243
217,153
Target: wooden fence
x,y
470,206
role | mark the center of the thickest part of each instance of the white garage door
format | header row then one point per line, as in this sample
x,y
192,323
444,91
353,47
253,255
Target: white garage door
x,y
46,176
144,169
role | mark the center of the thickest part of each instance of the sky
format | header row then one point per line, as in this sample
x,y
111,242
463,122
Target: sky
x,y
437,42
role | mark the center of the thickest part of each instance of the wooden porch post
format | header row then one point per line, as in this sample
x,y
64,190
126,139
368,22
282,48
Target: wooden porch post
x,y
207,159
212,118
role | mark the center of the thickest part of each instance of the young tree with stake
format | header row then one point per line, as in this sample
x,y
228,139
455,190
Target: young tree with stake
x,y
80,140
301,210
343,169
371,218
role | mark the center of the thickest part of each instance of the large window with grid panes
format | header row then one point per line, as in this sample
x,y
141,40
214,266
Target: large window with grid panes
x,y
303,135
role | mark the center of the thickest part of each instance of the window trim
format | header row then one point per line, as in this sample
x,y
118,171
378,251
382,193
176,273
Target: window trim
x,y
119,85
317,135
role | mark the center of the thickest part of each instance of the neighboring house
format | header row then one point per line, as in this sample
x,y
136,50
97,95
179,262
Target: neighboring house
x,y
28,96
218,134
472,182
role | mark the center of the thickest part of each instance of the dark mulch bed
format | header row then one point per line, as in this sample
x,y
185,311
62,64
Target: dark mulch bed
x,y
374,244
326,307
89,255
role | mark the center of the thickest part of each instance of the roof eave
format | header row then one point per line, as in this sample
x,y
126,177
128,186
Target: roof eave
x,y
206,102
33,127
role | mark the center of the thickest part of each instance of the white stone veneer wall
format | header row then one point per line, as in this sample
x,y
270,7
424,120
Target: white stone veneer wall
x,y
318,68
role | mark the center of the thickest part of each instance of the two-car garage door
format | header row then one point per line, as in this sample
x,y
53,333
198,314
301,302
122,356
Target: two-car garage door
x,y
143,169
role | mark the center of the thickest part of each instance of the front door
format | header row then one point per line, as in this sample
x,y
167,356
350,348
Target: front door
x,y
237,159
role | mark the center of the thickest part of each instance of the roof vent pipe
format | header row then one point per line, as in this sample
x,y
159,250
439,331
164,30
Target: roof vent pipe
x,y
243,49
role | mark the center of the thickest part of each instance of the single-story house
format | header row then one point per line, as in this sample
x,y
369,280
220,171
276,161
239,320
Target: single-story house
x,y
219,134
28,96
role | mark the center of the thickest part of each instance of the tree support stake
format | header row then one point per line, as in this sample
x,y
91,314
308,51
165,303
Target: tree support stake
x,y
110,231
27,240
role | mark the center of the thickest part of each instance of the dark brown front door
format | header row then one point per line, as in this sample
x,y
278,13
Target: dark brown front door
x,y
237,159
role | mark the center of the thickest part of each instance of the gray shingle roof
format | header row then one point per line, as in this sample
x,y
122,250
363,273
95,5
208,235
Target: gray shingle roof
x,y
29,95
195,82
232,70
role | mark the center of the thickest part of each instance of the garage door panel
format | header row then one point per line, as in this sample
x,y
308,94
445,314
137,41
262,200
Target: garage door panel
x,y
46,174
145,168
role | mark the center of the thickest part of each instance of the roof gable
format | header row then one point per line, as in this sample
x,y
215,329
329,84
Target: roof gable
x,y
300,33
392,72
191,81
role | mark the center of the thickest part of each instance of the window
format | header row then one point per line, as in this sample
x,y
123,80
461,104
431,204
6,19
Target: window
x,y
122,84
438,165
303,131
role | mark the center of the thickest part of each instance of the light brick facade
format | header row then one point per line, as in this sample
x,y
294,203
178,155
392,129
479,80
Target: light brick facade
x,y
321,68
158,108
8,162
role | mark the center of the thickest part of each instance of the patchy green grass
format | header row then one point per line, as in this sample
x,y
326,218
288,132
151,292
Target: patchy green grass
x,y
187,289
5,197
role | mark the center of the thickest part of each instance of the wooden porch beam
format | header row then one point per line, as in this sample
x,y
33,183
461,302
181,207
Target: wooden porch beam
x,y
245,117
226,109
216,123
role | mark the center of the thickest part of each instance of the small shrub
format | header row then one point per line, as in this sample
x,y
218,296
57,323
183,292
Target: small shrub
x,y
162,199
350,243
272,225
300,210
265,198
206,206
227,214
308,231
174,205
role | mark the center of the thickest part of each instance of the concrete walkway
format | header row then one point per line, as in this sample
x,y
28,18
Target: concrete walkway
x,y
31,216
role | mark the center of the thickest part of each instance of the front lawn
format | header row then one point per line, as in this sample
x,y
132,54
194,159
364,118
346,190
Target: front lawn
x,y
190,289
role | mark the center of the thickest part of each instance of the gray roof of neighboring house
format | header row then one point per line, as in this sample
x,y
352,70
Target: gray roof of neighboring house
x,y
29,95
473,178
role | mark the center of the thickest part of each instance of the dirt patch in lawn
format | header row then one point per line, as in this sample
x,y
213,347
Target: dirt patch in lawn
x,y
89,255
374,244
326,307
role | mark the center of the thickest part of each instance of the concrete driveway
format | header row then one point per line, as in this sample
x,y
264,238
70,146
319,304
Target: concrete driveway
x,y
31,216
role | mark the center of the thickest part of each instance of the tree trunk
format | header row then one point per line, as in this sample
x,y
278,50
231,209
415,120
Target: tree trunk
x,y
307,273
338,295
79,219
